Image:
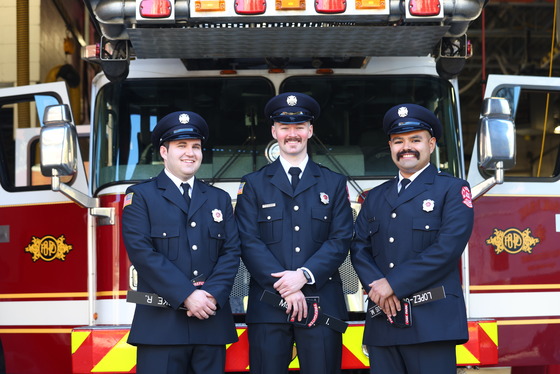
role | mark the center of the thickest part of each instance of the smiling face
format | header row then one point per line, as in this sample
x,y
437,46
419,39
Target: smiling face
x,y
411,150
292,139
182,157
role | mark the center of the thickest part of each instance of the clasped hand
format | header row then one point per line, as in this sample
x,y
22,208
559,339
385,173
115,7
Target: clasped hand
x,y
382,294
200,304
289,287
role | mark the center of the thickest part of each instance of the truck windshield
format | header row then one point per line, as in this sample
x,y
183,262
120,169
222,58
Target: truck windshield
x,y
348,134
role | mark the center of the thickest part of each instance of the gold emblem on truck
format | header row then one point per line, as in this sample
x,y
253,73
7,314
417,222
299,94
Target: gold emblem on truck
x,y
512,241
48,248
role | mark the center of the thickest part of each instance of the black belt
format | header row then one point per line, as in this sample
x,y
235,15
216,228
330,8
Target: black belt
x,y
314,314
404,316
419,298
146,298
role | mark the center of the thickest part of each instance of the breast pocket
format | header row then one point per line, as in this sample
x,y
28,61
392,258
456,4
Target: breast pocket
x,y
270,225
373,229
424,232
166,241
320,223
217,237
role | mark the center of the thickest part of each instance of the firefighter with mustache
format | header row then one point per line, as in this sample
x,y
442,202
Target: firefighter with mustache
x,y
295,225
409,237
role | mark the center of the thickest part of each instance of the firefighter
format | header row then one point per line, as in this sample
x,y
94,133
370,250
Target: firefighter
x,y
295,224
181,236
409,237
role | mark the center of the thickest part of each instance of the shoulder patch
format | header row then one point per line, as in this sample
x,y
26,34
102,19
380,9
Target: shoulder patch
x,y
467,197
128,199
240,189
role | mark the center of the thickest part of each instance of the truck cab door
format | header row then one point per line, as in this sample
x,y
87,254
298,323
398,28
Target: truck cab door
x,y
514,255
43,237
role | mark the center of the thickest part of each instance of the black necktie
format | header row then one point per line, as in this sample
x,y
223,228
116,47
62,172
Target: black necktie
x,y
186,188
404,183
294,172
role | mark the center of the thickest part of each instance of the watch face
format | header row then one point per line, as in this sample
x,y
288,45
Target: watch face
x,y
272,151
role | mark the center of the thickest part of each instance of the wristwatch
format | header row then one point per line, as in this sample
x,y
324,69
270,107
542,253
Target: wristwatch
x,y
306,275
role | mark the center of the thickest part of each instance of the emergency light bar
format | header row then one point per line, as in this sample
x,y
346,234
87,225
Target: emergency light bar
x,y
250,6
330,6
155,8
290,5
209,5
427,10
155,11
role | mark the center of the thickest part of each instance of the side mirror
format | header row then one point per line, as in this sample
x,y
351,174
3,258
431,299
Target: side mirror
x,y
58,142
496,137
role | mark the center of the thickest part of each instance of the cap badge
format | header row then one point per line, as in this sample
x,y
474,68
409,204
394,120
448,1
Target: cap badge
x,y
217,215
184,118
428,205
402,111
291,100
324,198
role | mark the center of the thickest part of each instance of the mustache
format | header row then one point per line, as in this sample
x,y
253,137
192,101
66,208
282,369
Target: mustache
x,y
408,151
292,139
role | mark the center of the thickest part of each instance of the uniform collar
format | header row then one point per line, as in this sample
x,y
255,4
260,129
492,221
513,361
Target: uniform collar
x,y
286,165
413,176
177,181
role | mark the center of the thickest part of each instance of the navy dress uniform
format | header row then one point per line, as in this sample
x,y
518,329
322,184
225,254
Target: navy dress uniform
x,y
285,229
415,240
177,249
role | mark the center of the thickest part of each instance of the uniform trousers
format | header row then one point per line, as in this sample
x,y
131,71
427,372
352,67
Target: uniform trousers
x,y
424,358
180,359
319,349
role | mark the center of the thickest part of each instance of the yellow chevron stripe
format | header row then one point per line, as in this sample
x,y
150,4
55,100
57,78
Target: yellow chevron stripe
x,y
352,339
122,357
239,331
491,329
464,356
78,338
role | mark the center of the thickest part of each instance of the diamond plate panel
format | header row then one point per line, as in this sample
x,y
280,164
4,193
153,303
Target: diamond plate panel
x,y
335,41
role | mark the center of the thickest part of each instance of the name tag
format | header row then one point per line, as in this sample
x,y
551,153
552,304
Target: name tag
x,y
271,205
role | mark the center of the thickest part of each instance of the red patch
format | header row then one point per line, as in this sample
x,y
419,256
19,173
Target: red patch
x,y
467,197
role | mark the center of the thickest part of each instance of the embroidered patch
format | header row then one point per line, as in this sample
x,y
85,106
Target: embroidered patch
x,y
217,215
467,197
240,189
428,205
127,199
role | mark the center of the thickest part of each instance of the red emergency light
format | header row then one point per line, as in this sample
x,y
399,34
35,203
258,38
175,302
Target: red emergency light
x,y
330,6
155,8
250,6
424,8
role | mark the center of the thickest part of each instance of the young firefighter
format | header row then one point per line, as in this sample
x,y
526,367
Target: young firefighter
x,y
181,236
295,225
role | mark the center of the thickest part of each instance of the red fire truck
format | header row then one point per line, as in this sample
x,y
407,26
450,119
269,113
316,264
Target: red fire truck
x,y
66,274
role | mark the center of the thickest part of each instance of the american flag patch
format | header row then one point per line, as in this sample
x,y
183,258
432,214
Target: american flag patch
x,y
240,189
127,199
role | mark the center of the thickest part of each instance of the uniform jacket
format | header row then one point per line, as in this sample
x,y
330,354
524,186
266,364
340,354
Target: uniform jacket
x,y
169,247
415,240
283,230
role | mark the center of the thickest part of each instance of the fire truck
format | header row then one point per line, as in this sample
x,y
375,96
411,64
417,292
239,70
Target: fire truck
x,y
65,273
